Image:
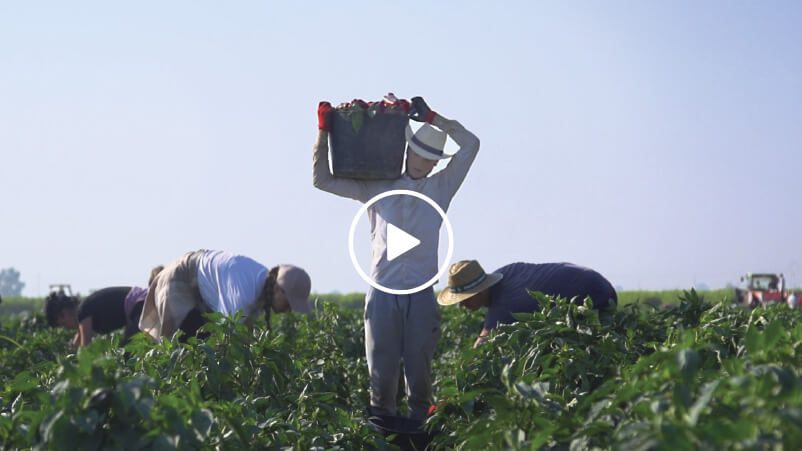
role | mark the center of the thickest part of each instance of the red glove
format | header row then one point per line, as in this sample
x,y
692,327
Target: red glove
x,y
324,110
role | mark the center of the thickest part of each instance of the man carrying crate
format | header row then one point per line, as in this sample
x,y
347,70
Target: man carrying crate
x,y
403,327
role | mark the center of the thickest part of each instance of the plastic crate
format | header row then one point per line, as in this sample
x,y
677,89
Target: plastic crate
x,y
368,143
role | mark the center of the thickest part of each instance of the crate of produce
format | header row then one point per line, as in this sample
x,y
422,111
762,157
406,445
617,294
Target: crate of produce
x,y
367,139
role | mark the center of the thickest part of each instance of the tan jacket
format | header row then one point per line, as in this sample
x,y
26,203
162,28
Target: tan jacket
x,y
172,295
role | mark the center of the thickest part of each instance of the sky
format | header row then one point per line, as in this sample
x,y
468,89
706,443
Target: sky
x,y
659,143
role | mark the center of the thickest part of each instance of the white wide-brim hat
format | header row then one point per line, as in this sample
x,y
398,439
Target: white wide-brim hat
x,y
428,142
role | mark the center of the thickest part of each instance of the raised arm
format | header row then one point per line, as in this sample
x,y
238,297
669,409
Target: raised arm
x,y
454,173
456,170
321,175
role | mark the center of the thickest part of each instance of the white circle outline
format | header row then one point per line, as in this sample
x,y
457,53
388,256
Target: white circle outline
x,y
364,208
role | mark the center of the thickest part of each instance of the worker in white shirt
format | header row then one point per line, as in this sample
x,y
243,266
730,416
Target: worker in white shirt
x,y
216,281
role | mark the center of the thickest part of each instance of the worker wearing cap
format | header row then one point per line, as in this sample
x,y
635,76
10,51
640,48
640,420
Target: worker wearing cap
x,y
216,281
506,290
403,327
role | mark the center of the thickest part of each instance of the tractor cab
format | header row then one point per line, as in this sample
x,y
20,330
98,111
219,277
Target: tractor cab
x,y
761,282
63,288
763,289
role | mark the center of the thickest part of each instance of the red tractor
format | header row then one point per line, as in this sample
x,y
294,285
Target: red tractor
x,y
764,289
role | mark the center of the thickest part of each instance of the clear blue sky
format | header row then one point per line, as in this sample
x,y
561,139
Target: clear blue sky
x,y
658,142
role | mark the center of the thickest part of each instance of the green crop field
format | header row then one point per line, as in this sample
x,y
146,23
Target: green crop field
x,y
16,305
702,375
671,297
356,300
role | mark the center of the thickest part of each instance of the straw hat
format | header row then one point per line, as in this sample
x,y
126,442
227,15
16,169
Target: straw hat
x,y
297,285
428,142
465,279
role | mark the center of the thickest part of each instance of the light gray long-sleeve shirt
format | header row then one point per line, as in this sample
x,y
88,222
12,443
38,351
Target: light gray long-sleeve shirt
x,y
412,215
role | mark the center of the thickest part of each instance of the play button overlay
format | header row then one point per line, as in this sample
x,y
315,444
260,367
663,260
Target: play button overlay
x,y
399,241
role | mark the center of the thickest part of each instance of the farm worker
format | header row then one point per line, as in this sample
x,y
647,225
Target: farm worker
x,y
505,291
102,312
216,281
793,302
403,327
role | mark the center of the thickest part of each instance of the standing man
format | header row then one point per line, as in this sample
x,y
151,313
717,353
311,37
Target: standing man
x,y
403,327
506,291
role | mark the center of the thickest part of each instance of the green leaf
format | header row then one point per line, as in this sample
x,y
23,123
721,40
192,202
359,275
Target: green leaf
x,y
688,361
357,118
754,341
202,421
772,335
705,395
22,382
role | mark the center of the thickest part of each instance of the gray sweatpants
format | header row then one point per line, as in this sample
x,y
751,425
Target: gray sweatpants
x,y
401,328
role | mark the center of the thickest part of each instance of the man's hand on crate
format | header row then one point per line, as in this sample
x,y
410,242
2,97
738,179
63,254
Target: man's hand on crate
x,y
323,112
420,111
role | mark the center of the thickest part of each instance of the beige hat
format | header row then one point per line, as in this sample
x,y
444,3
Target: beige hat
x,y
465,279
427,142
297,285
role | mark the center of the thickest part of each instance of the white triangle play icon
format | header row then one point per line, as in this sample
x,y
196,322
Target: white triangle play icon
x,y
398,242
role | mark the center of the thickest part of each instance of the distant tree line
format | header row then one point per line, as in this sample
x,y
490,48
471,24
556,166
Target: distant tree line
x,y
10,283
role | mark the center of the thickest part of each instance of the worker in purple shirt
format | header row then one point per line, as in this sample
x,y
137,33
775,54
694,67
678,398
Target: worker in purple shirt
x,y
506,291
102,312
